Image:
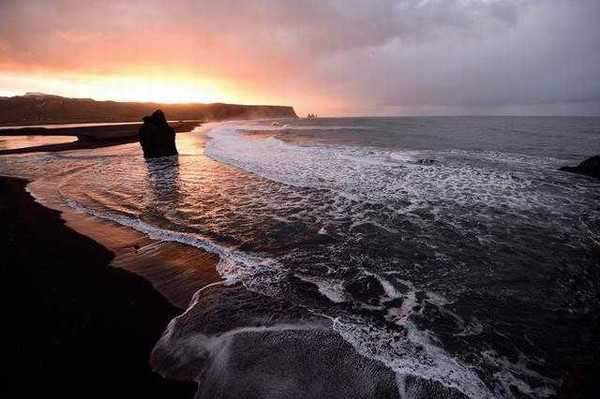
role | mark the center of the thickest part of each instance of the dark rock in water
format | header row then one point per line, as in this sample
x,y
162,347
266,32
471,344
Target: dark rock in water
x,y
156,136
426,161
365,288
589,167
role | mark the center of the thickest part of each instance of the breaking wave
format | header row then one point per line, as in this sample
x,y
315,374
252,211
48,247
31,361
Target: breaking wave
x,y
383,243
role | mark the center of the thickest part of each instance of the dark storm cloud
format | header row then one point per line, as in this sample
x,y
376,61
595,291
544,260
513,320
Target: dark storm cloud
x,y
467,54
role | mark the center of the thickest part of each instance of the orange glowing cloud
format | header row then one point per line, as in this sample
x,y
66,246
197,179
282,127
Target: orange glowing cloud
x,y
150,52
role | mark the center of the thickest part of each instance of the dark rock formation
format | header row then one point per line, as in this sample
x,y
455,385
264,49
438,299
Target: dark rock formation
x,y
37,108
426,161
156,136
589,167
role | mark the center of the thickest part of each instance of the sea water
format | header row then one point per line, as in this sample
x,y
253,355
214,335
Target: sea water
x,y
449,252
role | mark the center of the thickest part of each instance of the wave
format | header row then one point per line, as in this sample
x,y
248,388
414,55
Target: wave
x,y
458,177
411,355
457,188
234,266
307,219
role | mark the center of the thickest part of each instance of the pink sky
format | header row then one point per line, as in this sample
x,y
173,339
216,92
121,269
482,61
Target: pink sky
x,y
329,57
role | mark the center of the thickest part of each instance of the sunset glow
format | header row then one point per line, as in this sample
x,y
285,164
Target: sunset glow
x,y
162,87
158,88
332,57
300,199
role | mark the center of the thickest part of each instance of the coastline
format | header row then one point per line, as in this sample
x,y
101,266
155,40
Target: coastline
x,y
74,319
82,321
167,267
175,270
89,137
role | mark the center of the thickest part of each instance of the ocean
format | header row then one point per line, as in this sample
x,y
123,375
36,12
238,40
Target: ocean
x,y
449,252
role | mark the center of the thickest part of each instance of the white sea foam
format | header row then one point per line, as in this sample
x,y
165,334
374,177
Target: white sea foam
x,y
508,372
330,288
375,174
233,265
404,156
461,180
331,187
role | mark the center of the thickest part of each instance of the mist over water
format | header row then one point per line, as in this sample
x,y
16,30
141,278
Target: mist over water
x,y
446,255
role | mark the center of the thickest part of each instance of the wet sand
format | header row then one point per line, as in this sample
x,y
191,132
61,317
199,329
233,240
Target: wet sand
x,y
78,319
175,270
76,325
87,325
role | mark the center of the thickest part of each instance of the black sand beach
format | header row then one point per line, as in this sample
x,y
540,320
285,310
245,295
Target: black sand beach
x,y
75,326
86,300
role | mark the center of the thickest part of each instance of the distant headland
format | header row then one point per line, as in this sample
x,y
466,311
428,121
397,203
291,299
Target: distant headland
x,y
40,108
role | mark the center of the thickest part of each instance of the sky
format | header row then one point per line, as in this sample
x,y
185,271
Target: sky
x,y
337,57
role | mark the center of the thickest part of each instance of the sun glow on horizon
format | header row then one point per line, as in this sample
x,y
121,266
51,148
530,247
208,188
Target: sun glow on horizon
x,y
163,87
157,89
156,84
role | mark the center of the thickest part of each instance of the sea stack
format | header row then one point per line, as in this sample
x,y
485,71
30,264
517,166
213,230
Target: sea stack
x,y
156,136
589,167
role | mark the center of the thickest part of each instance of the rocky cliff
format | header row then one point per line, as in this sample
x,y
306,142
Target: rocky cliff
x,y
589,167
37,108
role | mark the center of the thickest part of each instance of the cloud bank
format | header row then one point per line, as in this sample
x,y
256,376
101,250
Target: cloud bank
x,y
342,56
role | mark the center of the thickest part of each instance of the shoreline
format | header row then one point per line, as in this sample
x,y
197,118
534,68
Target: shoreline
x,y
89,137
175,270
77,318
100,322
167,266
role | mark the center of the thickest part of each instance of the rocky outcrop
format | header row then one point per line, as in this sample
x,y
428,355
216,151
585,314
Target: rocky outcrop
x,y
589,167
156,136
426,161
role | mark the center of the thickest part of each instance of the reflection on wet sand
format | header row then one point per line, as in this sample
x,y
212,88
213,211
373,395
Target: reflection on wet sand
x,y
18,142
